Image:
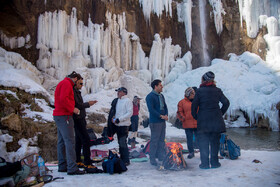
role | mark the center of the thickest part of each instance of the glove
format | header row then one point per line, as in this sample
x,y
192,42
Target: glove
x,y
117,121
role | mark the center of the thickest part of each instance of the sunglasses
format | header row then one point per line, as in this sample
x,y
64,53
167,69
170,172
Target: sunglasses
x,y
81,83
47,178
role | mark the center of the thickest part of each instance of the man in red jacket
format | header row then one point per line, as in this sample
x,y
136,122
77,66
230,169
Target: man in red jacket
x,y
64,108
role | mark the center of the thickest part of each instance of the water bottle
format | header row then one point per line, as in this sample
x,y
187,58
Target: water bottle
x,y
41,166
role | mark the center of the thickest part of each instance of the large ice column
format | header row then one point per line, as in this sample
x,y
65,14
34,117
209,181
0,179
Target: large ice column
x,y
218,10
184,11
203,25
162,54
251,10
155,57
156,7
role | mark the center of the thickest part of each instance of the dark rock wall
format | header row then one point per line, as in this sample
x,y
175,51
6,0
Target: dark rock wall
x,y
20,17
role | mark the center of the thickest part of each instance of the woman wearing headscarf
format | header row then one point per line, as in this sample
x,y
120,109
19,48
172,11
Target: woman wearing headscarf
x,y
210,123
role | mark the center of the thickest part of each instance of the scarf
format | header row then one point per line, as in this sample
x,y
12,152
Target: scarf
x,y
161,103
207,83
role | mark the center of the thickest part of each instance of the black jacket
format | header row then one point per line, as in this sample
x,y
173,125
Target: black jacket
x,y
111,126
206,109
79,103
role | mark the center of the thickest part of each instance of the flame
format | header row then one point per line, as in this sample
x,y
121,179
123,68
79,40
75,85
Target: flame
x,y
175,150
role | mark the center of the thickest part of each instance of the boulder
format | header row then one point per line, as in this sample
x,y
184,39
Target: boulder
x,y
12,121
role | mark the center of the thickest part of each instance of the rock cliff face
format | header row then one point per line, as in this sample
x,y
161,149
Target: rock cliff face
x,y
20,18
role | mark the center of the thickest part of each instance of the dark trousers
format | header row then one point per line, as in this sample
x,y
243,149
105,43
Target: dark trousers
x,y
189,134
157,144
134,123
209,141
122,133
82,140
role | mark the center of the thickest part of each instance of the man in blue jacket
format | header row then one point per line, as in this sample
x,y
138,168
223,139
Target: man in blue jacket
x,y
158,115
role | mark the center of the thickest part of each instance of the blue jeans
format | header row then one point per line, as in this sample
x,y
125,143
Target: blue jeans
x,y
157,144
66,143
209,141
189,134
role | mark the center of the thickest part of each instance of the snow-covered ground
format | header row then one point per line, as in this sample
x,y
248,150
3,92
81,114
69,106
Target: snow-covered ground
x,y
240,172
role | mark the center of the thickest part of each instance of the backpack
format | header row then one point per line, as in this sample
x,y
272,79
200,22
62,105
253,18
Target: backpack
x,y
178,122
91,134
228,148
114,164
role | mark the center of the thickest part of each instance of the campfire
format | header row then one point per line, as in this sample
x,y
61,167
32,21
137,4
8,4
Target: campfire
x,y
174,159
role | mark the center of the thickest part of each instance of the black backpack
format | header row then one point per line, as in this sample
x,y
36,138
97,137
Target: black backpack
x,y
114,164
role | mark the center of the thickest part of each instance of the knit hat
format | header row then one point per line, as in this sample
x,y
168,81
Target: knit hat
x,y
208,76
188,91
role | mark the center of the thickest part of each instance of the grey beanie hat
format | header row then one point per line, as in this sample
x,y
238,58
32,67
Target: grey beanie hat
x,y
188,91
208,76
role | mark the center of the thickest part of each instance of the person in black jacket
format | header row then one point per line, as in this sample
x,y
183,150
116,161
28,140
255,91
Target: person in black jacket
x,y
210,123
81,135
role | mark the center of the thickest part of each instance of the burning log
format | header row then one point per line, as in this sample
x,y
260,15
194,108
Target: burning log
x,y
174,159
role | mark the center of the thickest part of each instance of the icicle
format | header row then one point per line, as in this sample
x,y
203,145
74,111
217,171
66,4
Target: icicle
x,y
156,7
184,15
218,10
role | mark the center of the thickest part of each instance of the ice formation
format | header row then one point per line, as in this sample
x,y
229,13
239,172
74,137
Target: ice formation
x,y
250,85
155,6
218,10
251,10
184,11
14,42
102,55
203,26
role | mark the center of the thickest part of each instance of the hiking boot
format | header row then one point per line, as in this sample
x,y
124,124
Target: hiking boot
x,y
191,155
127,163
90,169
62,170
77,172
153,162
203,166
129,141
81,165
216,165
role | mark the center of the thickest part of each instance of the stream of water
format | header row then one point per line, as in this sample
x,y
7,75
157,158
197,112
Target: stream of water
x,y
246,138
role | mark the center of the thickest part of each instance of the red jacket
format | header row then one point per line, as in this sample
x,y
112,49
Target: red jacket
x,y
64,102
184,114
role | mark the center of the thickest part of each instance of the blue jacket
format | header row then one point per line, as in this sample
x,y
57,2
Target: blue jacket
x,y
153,104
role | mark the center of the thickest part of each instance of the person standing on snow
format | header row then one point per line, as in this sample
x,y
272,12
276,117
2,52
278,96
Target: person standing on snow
x,y
64,108
210,123
158,113
121,121
188,122
81,135
134,121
